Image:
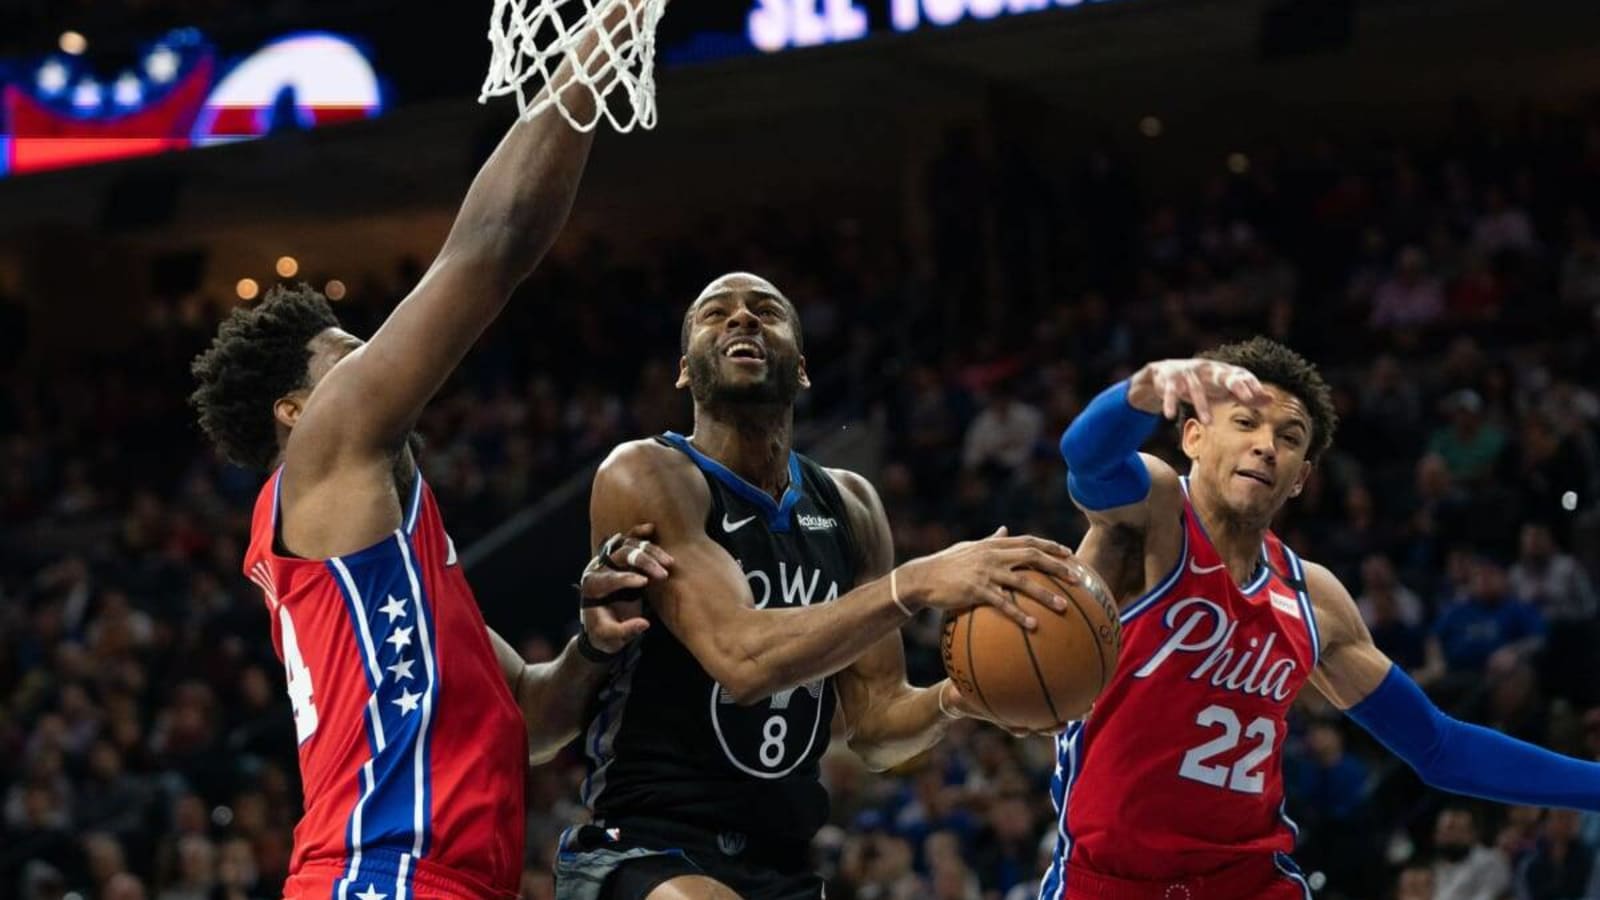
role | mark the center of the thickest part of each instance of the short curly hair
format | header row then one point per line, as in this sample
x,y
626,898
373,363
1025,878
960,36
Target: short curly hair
x,y
260,353
1273,363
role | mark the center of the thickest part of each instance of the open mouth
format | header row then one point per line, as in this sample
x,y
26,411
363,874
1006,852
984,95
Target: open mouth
x,y
745,350
1258,477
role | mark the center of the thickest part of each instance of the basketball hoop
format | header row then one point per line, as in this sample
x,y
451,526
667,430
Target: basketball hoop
x,y
532,39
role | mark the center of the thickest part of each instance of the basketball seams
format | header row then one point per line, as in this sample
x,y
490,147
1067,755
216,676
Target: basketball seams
x,y
1033,660
1093,633
1064,660
972,668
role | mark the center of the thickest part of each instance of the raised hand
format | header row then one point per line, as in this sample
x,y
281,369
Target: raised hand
x,y
973,573
610,592
1163,387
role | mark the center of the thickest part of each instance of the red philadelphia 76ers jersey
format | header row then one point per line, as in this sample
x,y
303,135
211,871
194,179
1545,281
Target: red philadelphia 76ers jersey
x,y
1177,772
412,750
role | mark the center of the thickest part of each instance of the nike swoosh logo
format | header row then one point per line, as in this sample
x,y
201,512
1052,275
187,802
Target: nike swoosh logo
x,y
1207,570
450,557
731,526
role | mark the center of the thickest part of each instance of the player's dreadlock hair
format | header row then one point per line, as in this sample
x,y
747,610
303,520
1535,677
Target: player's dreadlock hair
x,y
1273,363
260,353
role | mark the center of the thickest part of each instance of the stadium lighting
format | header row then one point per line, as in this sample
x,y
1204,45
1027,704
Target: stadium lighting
x,y
127,91
287,266
52,78
73,43
161,65
1150,127
247,289
88,94
334,290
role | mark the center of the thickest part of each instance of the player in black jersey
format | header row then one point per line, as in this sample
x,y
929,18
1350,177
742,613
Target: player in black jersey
x,y
703,746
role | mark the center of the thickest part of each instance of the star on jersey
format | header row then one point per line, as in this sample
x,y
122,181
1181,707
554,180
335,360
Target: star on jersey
x,y
371,893
407,702
401,638
394,609
402,669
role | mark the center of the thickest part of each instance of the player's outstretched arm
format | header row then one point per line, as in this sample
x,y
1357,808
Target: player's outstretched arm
x,y
1449,755
1132,499
512,214
752,653
554,695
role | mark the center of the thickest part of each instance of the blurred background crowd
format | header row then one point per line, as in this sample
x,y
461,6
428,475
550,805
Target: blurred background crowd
x,y
1448,286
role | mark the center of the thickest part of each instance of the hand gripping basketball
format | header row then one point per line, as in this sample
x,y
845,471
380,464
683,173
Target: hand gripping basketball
x,y
611,592
1033,681
987,572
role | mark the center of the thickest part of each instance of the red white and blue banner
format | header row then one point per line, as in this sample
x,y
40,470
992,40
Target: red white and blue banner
x,y
179,92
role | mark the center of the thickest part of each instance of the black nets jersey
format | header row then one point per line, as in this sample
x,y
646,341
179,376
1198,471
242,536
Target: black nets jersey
x,y
665,741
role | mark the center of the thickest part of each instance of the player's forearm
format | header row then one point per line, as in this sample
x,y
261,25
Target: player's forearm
x,y
1469,759
1101,449
553,697
775,650
523,194
519,200
900,728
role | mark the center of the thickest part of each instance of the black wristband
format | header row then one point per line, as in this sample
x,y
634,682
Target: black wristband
x,y
592,653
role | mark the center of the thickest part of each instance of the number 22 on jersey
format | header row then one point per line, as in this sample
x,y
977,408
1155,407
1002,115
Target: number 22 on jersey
x,y
1244,775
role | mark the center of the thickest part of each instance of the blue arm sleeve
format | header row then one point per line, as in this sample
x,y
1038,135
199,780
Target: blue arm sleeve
x,y
1469,759
1101,448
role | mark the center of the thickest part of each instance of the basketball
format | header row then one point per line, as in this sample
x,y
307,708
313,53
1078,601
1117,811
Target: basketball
x,y
1043,679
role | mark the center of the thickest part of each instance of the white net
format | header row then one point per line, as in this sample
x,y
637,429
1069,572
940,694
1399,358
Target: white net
x,y
606,46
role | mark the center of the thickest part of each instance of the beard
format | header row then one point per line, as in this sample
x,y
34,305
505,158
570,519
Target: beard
x,y
1454,852
779,388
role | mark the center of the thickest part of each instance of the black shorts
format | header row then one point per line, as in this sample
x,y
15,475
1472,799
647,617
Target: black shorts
x,y
627,861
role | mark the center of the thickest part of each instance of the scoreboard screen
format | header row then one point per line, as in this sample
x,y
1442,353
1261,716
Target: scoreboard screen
x,y
718,30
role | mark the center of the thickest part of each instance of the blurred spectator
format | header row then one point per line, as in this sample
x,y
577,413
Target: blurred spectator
x,y
1475,296
1552,475
1442,517
196,872
124,887
105,859
1002,437
1464,869
1380,586
1561,864
1519,832
1580,267
1470,445
1357,535
1502,225
1411,297
1485,622
1392,403
1005,849
112,799
1327,787
1550,579
1416,883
